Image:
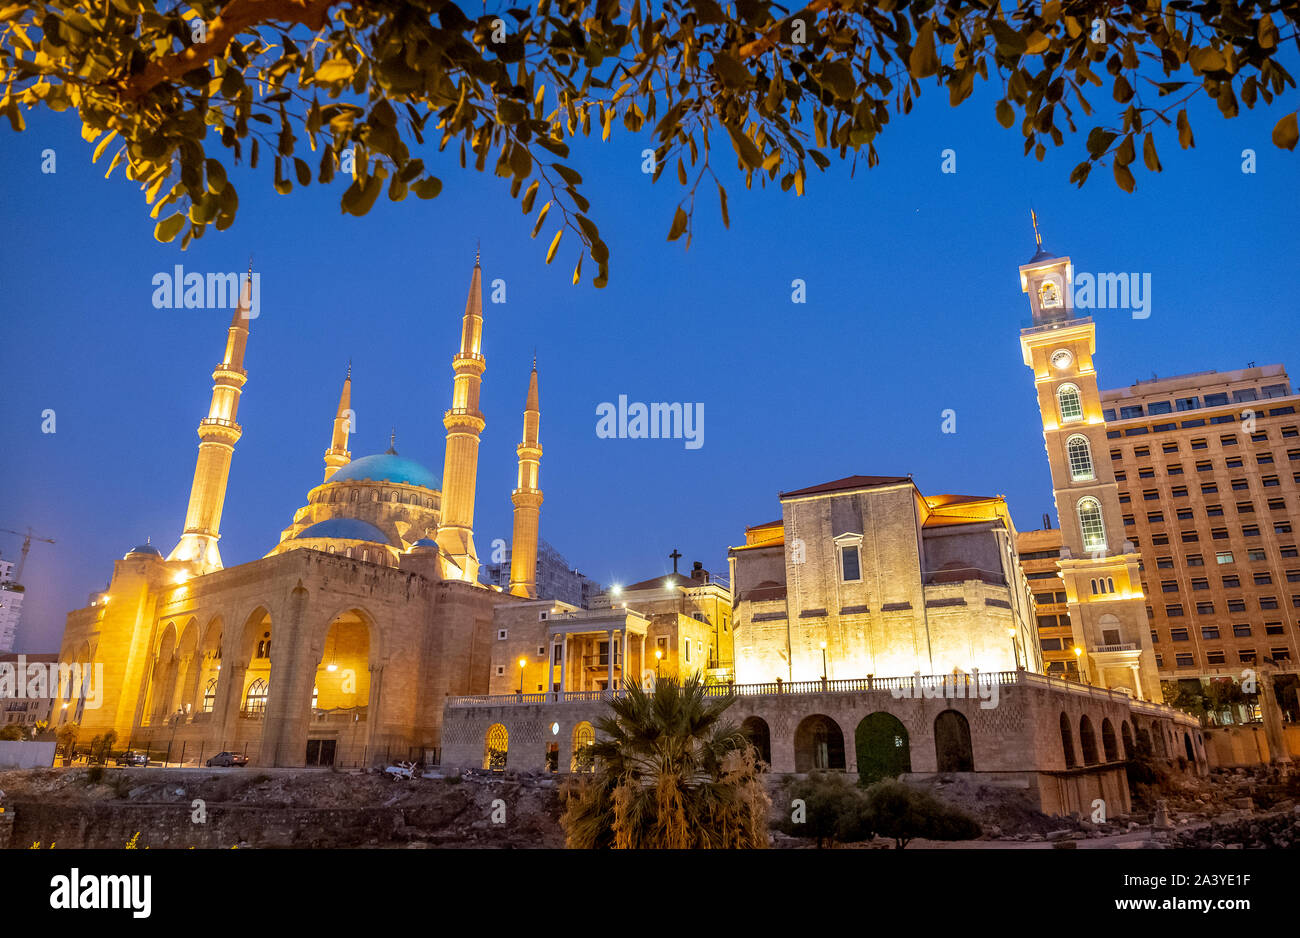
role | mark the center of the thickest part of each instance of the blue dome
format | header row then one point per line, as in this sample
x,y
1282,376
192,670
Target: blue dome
x,y
348,529
387,467
144,549
425,542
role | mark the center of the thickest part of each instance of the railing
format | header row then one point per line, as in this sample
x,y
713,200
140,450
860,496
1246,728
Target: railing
x,y
1121,646
911,685
599,661
254,714
962,574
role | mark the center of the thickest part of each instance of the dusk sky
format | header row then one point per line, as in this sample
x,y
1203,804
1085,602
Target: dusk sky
x,y
913,306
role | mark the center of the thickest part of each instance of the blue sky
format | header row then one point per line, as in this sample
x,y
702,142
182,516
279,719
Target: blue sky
x,y
913,306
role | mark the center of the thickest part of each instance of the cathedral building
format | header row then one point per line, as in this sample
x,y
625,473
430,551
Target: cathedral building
x,y
341,643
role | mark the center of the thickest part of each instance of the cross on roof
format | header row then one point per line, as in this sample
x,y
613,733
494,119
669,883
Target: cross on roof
x,y
676,556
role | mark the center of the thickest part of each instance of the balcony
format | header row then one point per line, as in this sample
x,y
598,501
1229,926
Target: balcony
x,y
1121,646
593,662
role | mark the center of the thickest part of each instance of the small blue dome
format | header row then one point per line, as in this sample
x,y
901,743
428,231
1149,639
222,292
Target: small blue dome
x,y
387,467
347,529
425,542
144,549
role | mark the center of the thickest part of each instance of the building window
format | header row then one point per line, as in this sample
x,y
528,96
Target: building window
x,y
1231,582
1091,525
209,695
1209,631
850,567
1080,456
255,699
1070,403
1241,631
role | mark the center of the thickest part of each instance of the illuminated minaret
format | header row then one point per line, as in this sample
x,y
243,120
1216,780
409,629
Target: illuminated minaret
x,y
218,434
1099,565
337,456
464,423
528,500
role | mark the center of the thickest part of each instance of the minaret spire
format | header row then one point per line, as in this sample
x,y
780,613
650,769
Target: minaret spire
x,y
337,456
218,434
464,424
527,499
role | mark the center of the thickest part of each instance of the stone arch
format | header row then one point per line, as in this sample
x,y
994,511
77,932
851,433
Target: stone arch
x,y
1067,742
818,744
1158,738
1126,736
496,746
1087,741
1187,744
207,663
162,675
584,737
343,660
1109,746
883,747
952,744
250,661
760,734
1143,740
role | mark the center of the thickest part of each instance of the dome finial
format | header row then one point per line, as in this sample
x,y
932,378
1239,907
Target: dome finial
x,y
349,369
1038,238
392,442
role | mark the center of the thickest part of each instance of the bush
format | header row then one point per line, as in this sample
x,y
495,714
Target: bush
x,y
904,813
12,732
827,808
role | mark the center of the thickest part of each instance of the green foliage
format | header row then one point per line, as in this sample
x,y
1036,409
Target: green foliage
x,y
101,746
668,773
903,813
12,732
176,94
827,808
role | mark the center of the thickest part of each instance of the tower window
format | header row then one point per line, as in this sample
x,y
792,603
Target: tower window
x,y
1091,525
1069,402
1080,457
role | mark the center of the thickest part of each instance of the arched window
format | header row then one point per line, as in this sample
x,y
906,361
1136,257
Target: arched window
x,y
349,551
1110,584
1067,742
352,496
1070,403
210,695
584,737
1087,741
374,496
394,500
1079,454
255,699
1094,587
1090,524
1049,295
495,747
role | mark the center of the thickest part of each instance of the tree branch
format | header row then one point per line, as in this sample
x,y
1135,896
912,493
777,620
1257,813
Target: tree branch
x,y
235,18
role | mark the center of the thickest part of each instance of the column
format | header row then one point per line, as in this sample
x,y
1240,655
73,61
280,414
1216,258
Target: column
x,y
626,670
609,660
564,660
1137,684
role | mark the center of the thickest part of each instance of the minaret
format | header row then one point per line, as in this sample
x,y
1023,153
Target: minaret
x,y
528,500
218,434
464,423
1099,565
337,456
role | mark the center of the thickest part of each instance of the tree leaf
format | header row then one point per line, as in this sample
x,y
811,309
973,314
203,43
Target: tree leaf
x,y
555,244
1284,134
1149,154
1124,177
1005,113
167,229
924,61
678,225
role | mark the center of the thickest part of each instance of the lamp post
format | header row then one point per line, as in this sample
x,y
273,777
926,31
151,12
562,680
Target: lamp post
x,y
522,662
1078,655
823,664
659,654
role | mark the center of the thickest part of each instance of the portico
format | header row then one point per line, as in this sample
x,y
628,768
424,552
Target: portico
x,y
596,651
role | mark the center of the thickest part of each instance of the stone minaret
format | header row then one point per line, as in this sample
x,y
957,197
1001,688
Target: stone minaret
x,y
218,434
464,423
337,456
528,500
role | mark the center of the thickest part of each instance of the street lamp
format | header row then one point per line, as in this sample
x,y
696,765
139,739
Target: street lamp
x,y
1078,654
658,657
522,662
823,662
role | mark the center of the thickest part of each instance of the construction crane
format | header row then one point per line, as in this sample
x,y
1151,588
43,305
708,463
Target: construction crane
x,y
27,537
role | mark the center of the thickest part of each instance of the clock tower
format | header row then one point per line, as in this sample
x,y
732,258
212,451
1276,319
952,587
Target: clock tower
x,y
1103,582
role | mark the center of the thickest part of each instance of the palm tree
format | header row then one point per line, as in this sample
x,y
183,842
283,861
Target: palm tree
x,y
668,772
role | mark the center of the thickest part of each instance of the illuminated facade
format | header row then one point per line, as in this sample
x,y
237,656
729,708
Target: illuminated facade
x,y
1099,566
341,643
867,576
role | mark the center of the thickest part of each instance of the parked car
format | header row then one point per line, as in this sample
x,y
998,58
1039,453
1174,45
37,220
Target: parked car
x,y
228,759
133,757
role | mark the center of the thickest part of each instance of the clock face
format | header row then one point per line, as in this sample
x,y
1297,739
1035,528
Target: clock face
x,y
1061,358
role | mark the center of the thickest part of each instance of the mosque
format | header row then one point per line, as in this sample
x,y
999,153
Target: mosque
x,y
341,644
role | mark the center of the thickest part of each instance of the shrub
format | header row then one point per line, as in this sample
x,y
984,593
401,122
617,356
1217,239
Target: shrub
x,y
12,732
904,813
827,808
